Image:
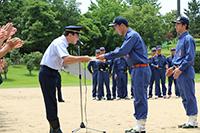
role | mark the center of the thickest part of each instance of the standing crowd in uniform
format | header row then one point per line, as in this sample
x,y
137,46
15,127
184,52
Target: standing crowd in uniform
x,y
102,71
159,64
118,69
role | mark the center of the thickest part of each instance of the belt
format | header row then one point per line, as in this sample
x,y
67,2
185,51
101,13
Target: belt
x,y
104,70
140,65
48,68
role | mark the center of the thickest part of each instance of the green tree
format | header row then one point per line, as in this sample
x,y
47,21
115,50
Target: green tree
x,y
96,22
146,20
15,57
168,26
193,13
30,66
38,24
155,3
10,10
34,58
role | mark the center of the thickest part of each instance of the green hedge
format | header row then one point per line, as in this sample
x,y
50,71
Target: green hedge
x,y
197,62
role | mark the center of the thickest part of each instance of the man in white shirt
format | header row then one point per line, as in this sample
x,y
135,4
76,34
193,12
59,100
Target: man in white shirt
x,y
55,57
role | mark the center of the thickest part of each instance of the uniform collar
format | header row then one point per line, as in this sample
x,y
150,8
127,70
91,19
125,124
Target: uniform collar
x,y
183,34
65,40
126,36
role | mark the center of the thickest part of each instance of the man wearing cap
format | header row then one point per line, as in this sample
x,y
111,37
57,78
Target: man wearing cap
x,y
160,63
171,78
152,66
93,69
55,56
135,51
183,71
103,77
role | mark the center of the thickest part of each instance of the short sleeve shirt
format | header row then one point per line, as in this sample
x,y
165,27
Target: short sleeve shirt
x,y
57,50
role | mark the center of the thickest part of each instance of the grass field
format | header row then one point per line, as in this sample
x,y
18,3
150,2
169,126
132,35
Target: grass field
x,y
18,77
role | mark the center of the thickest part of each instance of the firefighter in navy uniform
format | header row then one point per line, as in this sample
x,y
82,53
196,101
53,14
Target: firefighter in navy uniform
x,y
135,50
103,77
152,66
183,71
160,63
93,69
121,66
171,78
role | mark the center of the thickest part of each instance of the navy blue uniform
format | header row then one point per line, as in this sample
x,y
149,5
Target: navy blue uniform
x,y
171,79
135,50
93,69
120,67
161,61
103,77
184,59
152,67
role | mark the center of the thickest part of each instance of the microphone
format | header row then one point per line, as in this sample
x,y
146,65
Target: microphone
x,y
80,43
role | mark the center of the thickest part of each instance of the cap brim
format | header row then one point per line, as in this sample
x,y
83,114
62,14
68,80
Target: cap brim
x,y
175,21
111,25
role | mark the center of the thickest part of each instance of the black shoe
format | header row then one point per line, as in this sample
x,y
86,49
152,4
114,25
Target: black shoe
x,y
55,130
61,100
109,99
134,131
187,126
99,99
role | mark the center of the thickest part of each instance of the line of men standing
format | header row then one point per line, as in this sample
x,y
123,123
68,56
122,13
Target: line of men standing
x,y
158,64
101,73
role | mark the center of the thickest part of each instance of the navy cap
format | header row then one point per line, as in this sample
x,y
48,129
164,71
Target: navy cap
x,y
73,28
158,48
182,20
102,48
153,49
173,49
119,20
97,51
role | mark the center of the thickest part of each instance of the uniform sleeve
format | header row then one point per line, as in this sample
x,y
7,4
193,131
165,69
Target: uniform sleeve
x,y
189,53
153,64
89,67
61,50
126,47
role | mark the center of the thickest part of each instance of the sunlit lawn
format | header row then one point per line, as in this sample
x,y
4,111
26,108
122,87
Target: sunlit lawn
x,y
18,77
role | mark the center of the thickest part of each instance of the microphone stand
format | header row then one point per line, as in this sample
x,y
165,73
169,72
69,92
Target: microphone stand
x,y
82,125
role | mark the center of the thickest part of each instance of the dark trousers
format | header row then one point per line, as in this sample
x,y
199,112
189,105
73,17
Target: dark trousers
x,y
170,81
48,79
103,77
58,85
160,75
94,83
114,85
122,84
152,80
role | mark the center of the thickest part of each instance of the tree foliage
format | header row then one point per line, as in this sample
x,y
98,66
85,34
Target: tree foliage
x,y
40,21
193,13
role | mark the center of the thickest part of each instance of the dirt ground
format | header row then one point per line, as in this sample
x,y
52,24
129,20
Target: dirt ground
x,y
22,111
